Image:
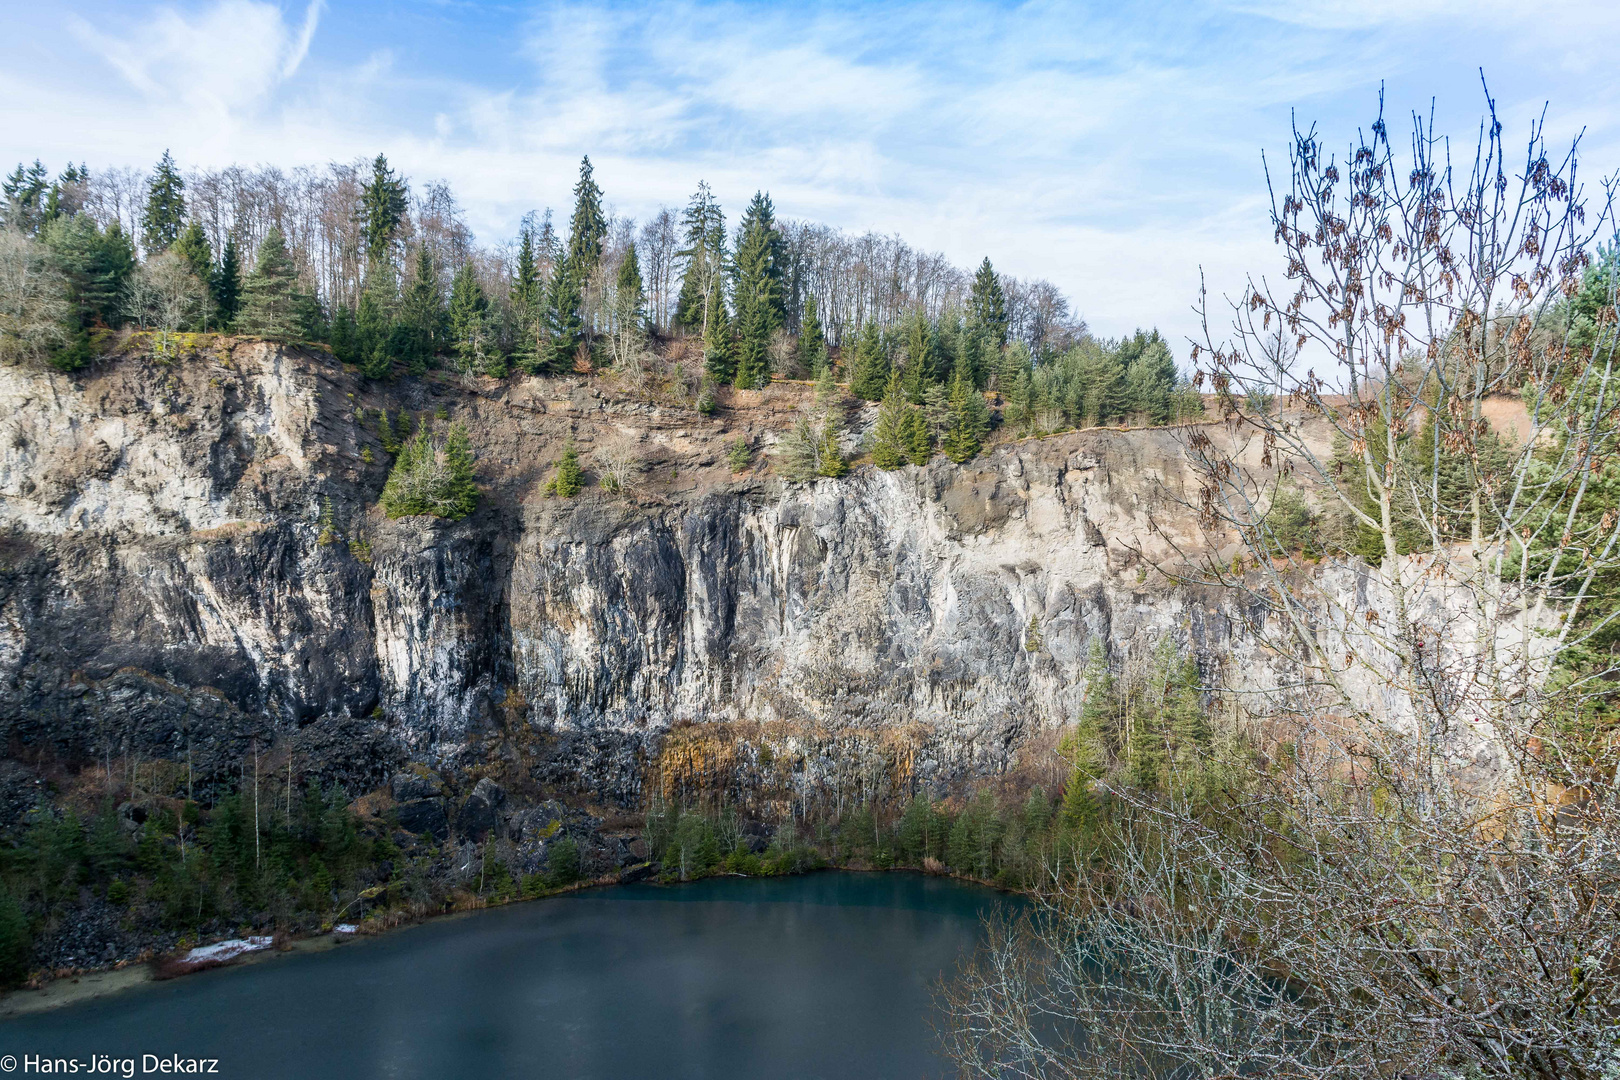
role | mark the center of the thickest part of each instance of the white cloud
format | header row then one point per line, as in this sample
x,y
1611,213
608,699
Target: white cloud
x,y
1112,148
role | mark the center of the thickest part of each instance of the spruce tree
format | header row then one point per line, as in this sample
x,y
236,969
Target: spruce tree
x,y
704,255
757,290
421,314
919,442
192,246
226,284
829,454
373,323
24,193
753,355
987,304
382,208
871,372
719,351
570,478
96,265
564,323
432,478
922,350
969,418
272,306
889,435
528,306
629,305
165,207
1150,376
588,227
812,341
469,322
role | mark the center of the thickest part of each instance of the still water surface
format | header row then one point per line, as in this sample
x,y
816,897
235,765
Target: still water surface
x,y
826,975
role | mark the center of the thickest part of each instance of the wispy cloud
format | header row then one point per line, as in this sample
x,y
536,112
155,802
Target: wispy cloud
x,y
1112,148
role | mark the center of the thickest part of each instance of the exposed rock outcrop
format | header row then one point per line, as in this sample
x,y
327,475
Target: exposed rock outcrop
x,y
165,589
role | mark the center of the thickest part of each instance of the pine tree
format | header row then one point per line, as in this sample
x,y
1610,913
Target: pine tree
x,y
342,336
272,306
165,207
871,372
987,304
889,436
382,208
812,342
588,226
226,284
570,478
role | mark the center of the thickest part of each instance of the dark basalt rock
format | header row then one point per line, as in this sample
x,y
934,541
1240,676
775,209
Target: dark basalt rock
x,y
480,814
424,817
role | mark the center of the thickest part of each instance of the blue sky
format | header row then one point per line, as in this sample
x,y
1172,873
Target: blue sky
x,y
1113,148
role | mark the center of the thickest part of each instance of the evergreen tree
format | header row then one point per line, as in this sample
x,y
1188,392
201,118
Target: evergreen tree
x,y
719,351
753,355
342,336
192,246
987,305
374,322
871,371
629,306
470,323
24,191
969,418
432,478
382,208
67,195
812,341
96,264
165,207
889,449
225,282
922,351
705,256
272,306
570,478
757,291
1150,376
564,324
422,316
528,306
829,454
588,227
919,442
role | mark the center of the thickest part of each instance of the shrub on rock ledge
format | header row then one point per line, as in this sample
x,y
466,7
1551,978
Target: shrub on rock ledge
x,y
432,477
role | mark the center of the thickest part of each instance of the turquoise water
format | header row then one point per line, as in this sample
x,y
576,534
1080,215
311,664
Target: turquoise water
x,y
826,975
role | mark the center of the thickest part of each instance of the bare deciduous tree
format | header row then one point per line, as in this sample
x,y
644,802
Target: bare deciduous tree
x,y
1423,873
33,300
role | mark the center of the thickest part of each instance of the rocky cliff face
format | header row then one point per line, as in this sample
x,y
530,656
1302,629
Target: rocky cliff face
x,y
165,590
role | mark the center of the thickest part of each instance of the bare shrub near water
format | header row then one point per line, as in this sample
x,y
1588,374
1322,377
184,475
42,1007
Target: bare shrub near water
x,y
1420,876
